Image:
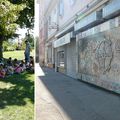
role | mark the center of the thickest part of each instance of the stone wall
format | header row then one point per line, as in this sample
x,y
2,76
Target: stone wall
x,y
99,59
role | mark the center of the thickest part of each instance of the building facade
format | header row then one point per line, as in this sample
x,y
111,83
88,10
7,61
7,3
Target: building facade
x,y
83,40
43,32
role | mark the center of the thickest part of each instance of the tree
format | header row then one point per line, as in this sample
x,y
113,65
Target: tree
x,y
23,44
5,45
26,18
31,40
9,14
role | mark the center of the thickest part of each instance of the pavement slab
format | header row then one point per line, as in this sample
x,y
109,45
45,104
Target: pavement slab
x,y
59,97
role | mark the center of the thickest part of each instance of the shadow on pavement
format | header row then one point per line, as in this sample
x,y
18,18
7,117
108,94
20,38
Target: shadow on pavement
x,y
81,101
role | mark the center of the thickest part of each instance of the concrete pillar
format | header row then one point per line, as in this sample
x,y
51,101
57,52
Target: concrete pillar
x,y
77,58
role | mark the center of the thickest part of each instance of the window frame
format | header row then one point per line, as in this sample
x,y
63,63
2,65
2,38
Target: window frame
x,y
61,8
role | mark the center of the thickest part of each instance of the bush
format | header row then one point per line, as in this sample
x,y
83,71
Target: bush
x,y
10,48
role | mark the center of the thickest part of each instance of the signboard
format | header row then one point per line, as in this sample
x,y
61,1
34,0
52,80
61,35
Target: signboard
x,y
62,41
111,9
91,19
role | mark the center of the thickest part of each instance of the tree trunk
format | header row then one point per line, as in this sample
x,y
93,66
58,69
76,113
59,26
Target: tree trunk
x,y
1,49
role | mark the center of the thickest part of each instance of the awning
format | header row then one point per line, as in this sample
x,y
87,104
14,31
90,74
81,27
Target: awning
x,y
112,9
65,29
62,41
89,21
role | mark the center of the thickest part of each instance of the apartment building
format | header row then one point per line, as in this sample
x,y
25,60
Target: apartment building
x,y
83,40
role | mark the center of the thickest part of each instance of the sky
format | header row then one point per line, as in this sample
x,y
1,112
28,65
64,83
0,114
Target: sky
x,y
36,26
21,32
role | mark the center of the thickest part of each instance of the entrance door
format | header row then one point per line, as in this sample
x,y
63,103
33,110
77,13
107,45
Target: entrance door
x,y
71,59
61,61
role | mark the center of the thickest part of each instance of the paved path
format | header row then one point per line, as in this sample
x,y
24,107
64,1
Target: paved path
x,y
59,97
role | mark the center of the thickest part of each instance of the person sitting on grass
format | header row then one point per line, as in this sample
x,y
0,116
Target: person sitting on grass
x,y
9,62
10,67
30,66
1,61
31,62
10,70
22,64
2,71
18,69
15,62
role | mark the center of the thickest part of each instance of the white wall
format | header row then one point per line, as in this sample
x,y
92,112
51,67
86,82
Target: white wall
x,y
53,26
70,11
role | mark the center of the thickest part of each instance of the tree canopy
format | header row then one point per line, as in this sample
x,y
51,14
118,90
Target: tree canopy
x,y
9,14
26,18
14,14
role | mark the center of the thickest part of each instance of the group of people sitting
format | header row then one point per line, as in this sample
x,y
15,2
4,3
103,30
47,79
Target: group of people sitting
x,y
10,67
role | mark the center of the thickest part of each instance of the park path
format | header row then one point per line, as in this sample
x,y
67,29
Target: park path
x,y
59,97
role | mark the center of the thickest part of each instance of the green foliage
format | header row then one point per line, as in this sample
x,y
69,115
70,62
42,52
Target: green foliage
x,y
26,18
30,38
17,97
8,46
14,14
23,44
9,14
5,45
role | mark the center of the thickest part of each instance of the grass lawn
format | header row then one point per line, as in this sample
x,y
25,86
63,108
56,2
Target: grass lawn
x,y
17,94
16,54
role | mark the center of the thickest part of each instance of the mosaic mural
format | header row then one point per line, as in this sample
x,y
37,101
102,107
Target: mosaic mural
x,y
104,55
99,59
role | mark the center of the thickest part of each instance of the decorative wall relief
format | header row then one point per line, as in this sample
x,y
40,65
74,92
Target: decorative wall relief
x,y
117,46
115,68
99,59
86,51
117,49
104,55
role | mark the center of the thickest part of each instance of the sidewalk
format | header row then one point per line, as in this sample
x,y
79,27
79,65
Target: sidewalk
x,y
59,97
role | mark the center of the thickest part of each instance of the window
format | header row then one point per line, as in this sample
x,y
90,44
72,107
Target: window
x,y
61,57
61,8
49,54
72,2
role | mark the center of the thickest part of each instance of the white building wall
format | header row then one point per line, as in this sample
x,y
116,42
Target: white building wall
x,y
43,5
50,10
52,28
50,22
71,10
69,14
71,59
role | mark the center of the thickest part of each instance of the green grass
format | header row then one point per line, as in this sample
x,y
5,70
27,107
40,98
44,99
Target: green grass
x,y
16,54
17,95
